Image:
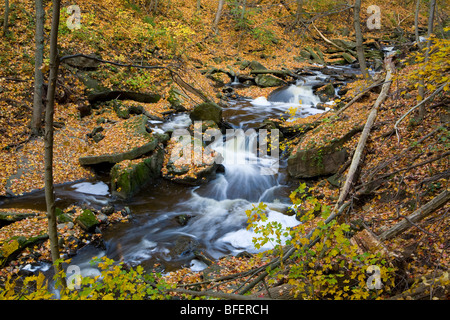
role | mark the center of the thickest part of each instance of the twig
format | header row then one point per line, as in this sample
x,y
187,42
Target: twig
x,y
174,75
431,96
291,249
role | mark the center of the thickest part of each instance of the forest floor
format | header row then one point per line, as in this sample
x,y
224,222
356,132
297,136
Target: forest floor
x,y
405,168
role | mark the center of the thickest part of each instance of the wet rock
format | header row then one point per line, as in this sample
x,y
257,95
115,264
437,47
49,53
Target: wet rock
x,y
326,93
183,219
108,210
184,246
268,80
87,221
127,178
207,111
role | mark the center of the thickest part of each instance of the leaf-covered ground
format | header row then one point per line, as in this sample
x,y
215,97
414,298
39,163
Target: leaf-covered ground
x,y
405,162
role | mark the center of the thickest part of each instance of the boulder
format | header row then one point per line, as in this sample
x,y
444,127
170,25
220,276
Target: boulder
x,y
103,96
176,99
255,65
322,160
316,162
348,57
128,177
326,93
87,220
11,217
181,168
207,111
268,80
345,44
83,63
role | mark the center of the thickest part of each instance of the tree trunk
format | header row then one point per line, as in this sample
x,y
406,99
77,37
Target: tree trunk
x,y
416,22
36,119
359,39
422,110
421,213
299,12
218,15
48,140
6,18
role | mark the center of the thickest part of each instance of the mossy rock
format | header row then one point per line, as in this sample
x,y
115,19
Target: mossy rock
x,y
268,80
127,181
326,93
207,111
324,160
10,217
87,220
12,247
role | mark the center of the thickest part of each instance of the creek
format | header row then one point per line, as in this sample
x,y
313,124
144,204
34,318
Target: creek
x,y
214,212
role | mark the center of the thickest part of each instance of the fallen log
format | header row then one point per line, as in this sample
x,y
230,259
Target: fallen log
x,y
365,134
418,215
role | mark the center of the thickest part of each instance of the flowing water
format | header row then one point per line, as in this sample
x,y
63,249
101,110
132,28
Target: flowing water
x,y
216,210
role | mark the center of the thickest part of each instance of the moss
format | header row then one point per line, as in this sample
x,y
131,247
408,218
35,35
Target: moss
x,y
87,220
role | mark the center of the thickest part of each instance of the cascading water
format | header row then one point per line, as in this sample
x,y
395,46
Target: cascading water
x,y
216,210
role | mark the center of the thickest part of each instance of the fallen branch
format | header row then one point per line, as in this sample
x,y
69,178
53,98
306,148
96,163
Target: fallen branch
x,y
424,289
431,96
291,249
365,190
357,97
365,134
174,75
331,42
418,215
220,295
399,155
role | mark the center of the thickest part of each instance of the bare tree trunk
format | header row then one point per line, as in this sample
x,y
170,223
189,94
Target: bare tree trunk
x,y
199,5
48,140
299,12
6,18
359,39
36,119
218,15
416,22
422,110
